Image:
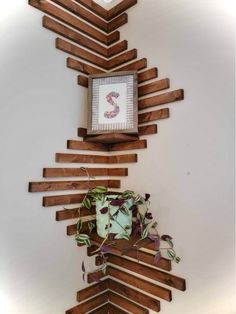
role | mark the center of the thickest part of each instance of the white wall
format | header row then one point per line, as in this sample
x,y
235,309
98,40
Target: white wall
x,y
188,167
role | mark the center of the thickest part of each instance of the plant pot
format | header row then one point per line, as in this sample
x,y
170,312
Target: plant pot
x,y
121,224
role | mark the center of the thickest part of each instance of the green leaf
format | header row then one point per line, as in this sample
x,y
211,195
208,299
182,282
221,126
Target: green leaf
x,y
91,226
127,194
139,216
100,189
171,244
79,225
177,259
171,253
87,203
124,236
145,233
124,210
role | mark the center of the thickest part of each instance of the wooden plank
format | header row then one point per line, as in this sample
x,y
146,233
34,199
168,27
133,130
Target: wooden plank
x,y
117,22
117,48
144,285
121,59
74,213
94,7
72,229
80,145
82,81
92,290
134,295
155,274
161,99
134,66
82,132
46,186
153,115
147,75
147,129
120,7
89,305
128,146
81,158
111,138
82,67
77,172
80,53
104,309
73,35
73,21
115,310
126,304
84,14
153,87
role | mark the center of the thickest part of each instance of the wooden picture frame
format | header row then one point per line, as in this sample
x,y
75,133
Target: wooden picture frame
x,y
113,103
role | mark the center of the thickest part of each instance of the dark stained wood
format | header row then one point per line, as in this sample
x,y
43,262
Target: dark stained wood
x,y
92,290
128,146
84,14
134,281
80,145
89,305
77,172
111,138
62,199
94,7
121,59
82,81
115,310
117,22
82,132
161,99
45,186
99,274
82,67
155,274
71,229
153,87
147,75
70,34
74,213
117,48
134,66
120,7
104,309
134,295
126,304
80,158
73,21
147,129
80,53
153,115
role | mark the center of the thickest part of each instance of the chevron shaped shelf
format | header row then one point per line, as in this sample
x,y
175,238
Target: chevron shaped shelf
x,y
90,33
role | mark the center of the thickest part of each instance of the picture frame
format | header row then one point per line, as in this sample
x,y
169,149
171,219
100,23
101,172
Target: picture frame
x,y
113,103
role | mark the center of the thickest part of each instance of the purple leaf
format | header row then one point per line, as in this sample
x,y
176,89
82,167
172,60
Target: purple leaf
x,y
118,202
147,196
104,210
166,237
133,208
137,231
148,216
156,239
83,276
95,277
105,249
83,267
111,236
157,258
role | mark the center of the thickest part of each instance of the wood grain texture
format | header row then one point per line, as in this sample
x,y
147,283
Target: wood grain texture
x,y
92,290
80,145
117,48
161,99
71,34
81,158
84,14
153,87
147,75
120,7
115,310
111,138
134,295
117,22
155,274
46,186
121,59
153,115
134,66
80,53
140,144
73,21
126,304
82,67
82,81
94,7
104,309
66,214
89,305
77,172
82,132
72,229
147,130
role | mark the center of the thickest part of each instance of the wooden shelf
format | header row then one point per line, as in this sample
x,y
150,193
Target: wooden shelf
x,y
111,138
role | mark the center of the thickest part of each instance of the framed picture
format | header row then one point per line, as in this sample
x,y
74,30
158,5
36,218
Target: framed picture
x,y
113,103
